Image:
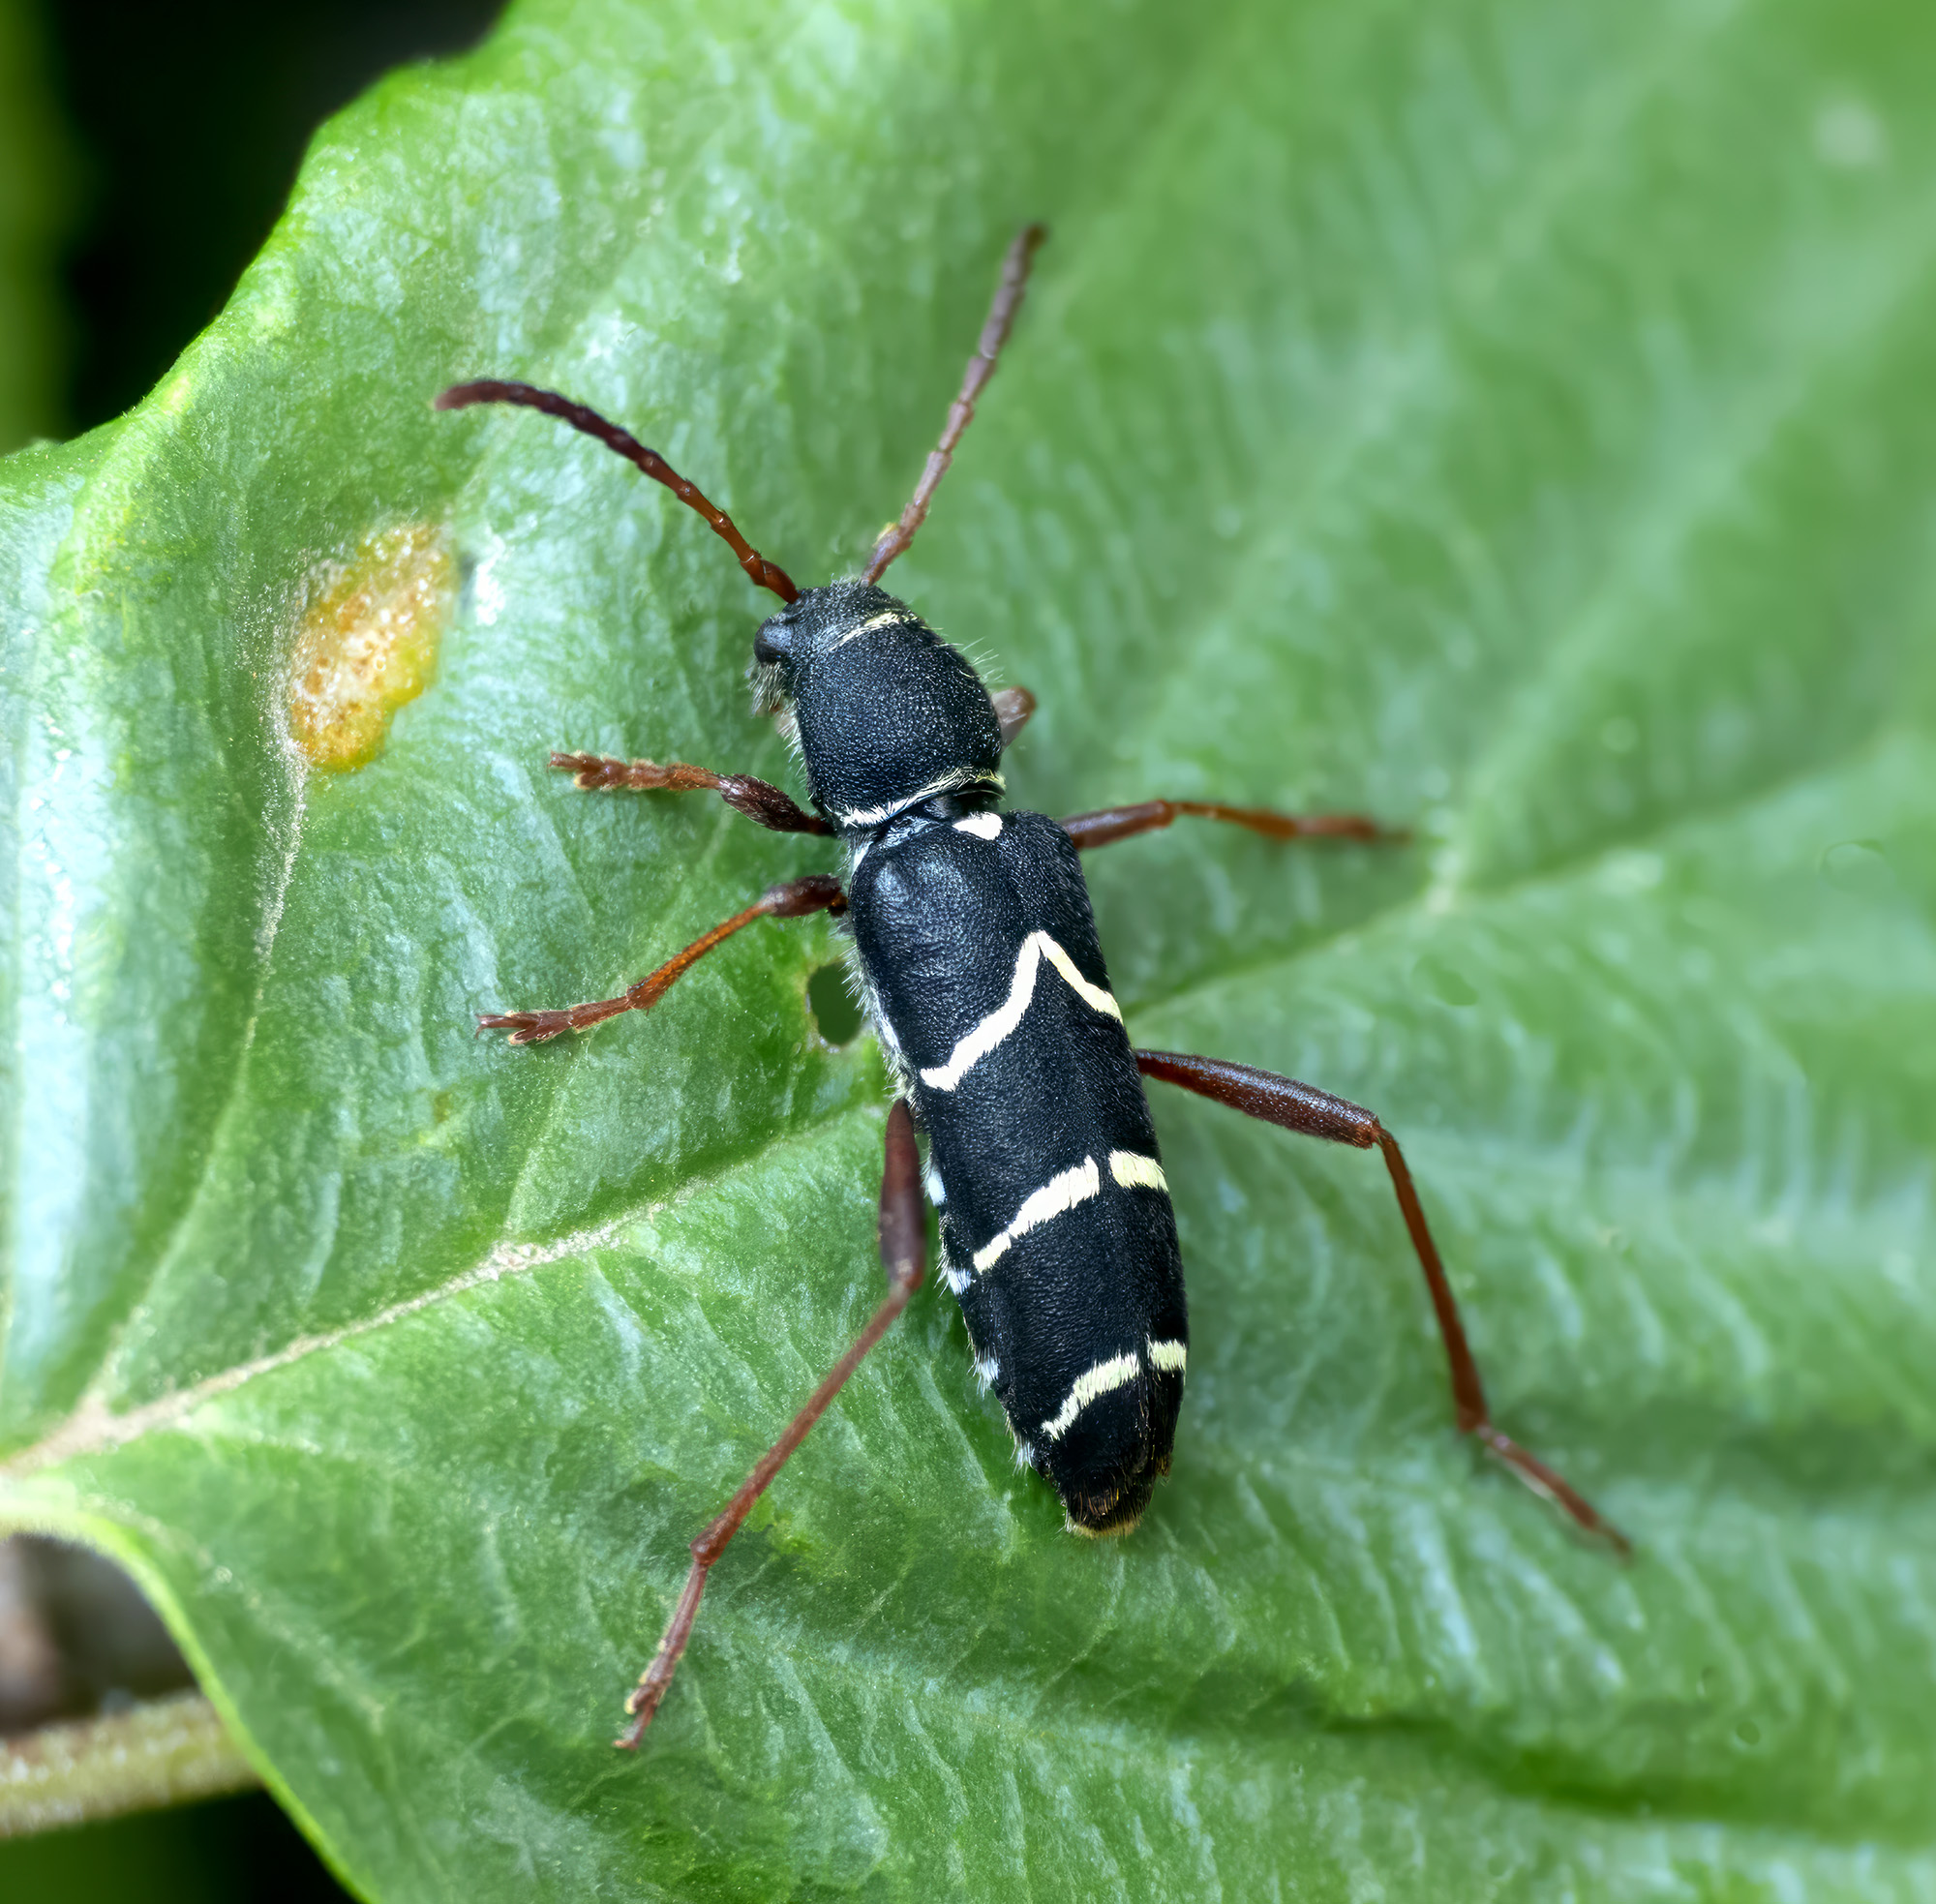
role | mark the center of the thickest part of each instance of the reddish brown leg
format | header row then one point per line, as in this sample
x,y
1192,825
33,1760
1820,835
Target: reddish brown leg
x,y
903,1237
759,800
1114,823
1012,708
1295,1106
793,900
961,411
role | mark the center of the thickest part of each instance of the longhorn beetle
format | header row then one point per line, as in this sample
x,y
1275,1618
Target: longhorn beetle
x,y
986,988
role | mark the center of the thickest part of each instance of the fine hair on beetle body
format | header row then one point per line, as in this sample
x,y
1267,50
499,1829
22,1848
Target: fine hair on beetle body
x,y
974,952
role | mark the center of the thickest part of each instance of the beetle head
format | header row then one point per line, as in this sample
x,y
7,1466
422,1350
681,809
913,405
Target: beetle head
x,y
885,712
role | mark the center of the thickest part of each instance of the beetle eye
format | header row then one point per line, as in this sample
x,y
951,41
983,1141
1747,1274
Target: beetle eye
x,y
770,644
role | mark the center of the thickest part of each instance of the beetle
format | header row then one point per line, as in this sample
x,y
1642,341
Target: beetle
x,y
978,961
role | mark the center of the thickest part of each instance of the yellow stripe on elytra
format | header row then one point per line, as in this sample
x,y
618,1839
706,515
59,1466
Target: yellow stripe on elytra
x,y
1059,1193
1105,1378
1133,1171
1001,1023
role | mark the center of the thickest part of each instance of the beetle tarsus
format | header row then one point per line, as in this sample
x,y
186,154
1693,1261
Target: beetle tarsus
x,y
793,898
759,800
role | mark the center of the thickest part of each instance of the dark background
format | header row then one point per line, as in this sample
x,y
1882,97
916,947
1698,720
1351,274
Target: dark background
x,y
182,126
186,123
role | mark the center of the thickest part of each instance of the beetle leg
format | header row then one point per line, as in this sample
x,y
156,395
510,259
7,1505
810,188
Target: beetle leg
x,y
1295,1106
1114,823
1012,708
759,800
793,900
903,1240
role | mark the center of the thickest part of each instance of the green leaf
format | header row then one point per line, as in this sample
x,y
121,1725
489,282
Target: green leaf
x,y
1508,418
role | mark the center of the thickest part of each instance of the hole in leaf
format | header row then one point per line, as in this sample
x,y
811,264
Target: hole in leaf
x,y
80,1637
835,1016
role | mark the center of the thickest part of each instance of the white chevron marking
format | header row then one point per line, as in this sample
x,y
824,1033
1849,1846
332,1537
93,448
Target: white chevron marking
x,y
1168,1354
970,1050
1116,1373
1059,1193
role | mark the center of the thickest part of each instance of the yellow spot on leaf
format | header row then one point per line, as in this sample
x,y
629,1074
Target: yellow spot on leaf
x,y
368,643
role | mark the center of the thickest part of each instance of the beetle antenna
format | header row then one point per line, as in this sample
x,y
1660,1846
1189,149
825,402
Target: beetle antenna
x,y
488,390
980,367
